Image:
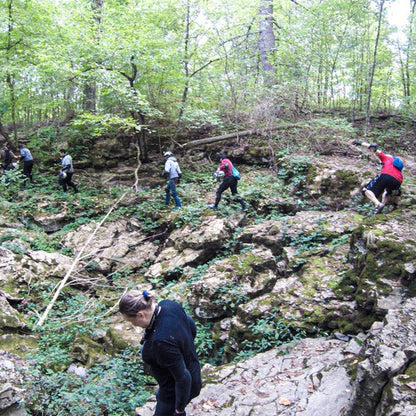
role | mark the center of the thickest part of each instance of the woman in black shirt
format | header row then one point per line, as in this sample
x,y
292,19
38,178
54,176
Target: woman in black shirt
x,y
168,348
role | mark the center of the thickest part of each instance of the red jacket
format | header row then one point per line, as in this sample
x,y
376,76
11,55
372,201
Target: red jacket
x,y
388,167
226,166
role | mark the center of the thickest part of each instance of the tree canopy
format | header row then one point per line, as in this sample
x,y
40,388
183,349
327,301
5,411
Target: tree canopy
x,y
196,61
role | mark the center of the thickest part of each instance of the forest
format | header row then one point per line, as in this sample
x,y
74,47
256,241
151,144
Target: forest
x,y
281,85
129,65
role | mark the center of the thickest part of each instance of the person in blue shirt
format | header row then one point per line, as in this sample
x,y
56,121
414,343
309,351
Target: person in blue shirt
x,y
67,171
168,348
27,159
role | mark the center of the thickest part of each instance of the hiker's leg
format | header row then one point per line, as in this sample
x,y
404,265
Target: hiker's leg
x,y
174,194
370,195
167,190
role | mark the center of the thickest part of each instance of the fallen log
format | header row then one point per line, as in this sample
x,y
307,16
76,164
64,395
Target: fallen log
x,y
237,135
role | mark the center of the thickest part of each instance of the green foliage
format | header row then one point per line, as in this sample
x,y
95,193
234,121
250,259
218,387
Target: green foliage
x,y
113,388
87,127
269,332
204,342
100,125
10,184
230,296
293,171
43,142
305,241
195,118
72,316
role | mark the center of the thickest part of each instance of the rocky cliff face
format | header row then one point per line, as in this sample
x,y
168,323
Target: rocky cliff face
x,y
306,255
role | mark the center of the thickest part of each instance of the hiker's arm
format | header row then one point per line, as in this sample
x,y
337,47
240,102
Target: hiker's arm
x,y
371,146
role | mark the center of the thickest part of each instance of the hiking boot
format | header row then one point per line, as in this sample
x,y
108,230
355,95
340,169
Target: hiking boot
x,y
244,209
176,209
212,206
379,209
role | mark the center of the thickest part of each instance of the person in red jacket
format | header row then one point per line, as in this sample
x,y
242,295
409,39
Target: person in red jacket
x,y
229,181
389,180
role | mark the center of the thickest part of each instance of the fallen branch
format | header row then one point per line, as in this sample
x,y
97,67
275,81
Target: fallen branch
x,y
74,263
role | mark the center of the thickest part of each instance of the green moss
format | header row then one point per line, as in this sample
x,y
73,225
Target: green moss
x,y
18,344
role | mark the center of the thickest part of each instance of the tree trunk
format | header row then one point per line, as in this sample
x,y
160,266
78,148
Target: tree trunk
x,y
90,88
9,76
186,60
267,41
136,114
237,135
3,132
373,67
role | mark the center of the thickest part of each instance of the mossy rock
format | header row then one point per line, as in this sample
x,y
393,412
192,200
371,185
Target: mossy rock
x,y
87,351
18,344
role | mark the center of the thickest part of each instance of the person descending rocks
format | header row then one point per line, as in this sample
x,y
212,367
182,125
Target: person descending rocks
x,y
228,181
173,173
388,182
67,171
27,159
168,349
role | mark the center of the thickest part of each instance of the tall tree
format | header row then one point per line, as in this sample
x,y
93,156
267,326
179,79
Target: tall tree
x,y
90,88
267,41
373,68
11,44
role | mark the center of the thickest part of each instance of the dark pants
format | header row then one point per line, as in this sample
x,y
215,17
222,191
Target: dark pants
x,y
167,408
27,170
383,182
229,182
65,182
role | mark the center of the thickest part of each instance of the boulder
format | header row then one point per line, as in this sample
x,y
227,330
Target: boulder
x,y
231,282
385,366
311,378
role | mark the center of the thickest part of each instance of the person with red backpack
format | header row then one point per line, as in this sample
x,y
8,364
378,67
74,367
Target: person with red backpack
x,y
389,179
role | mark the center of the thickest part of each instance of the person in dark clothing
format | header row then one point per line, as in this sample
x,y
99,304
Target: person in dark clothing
x,y
27,159
387,182
8,157
168,348
229,181
67,171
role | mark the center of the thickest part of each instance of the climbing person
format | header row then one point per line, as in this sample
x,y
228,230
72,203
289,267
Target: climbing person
x,y
8,156
27,159
168,348
173,173
387,182
228,181
67,171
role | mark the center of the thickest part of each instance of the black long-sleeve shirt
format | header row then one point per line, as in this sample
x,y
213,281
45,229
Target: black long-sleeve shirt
x,y
170,352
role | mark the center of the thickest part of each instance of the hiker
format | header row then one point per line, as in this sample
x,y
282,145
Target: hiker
x,y
168,348
8,156
229,181
27,159
387,182
67,171
173,173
